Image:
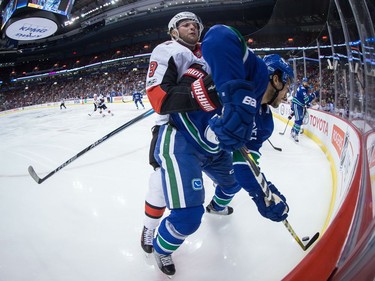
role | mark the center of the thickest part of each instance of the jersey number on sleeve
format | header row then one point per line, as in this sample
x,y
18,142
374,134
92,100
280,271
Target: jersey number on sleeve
x,y
152,68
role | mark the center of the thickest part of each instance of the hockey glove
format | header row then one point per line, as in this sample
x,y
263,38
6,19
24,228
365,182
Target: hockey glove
x,y
276,209
291,115
203,90
233,128
316,94
313,95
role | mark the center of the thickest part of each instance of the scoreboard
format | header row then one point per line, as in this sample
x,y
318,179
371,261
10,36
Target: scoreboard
x,y
33,19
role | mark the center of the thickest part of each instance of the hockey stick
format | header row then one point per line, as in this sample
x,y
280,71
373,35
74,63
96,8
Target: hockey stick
x,y
276,148
282,133
295,236
268,197
126,101
111,134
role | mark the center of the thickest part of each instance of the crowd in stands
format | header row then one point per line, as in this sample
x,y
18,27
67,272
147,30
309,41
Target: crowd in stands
x,y
116,81
76,60
49,89
327,101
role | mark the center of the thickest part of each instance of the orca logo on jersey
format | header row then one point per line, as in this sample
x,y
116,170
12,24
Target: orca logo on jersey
x,y
210,135
249,101
197,184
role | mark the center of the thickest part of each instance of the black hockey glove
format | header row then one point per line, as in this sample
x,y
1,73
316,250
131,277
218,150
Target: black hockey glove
x,y
203,90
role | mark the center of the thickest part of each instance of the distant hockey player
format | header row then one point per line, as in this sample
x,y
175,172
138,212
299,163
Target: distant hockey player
x,y
137,98
102,106
99,103
300,102
62,104
95,103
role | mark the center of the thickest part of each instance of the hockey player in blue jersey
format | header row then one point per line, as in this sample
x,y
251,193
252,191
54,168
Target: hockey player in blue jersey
x,y
137,98
247,86
187,146
300,102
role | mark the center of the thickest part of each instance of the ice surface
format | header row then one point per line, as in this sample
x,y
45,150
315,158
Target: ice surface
x,y
84,222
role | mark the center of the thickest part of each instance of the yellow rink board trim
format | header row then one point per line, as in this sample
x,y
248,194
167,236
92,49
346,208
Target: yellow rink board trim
x,y
328,154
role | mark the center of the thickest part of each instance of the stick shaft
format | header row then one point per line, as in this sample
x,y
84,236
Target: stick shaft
x,y
99,141
257,174
292,232
268,196
274,147
285,128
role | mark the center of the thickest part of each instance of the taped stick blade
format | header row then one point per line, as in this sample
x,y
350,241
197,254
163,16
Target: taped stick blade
x,y
312,240
34,175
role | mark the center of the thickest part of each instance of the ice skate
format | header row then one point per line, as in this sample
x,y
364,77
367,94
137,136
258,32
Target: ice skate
x,y
146,240
224,212
294,135
165,263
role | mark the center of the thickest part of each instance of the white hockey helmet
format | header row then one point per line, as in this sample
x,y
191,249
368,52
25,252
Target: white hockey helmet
x,y
173,23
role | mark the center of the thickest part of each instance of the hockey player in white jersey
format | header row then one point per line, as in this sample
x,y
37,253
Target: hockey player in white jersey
x,y
178,84
99,103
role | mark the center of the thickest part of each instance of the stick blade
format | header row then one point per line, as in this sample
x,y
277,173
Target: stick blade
x,y
312,240
34,175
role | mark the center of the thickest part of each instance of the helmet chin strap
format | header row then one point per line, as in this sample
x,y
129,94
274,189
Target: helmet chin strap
x,y
276,93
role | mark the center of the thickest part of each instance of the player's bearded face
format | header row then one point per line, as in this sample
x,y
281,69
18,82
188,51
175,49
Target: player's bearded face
x,y
282,95
188,31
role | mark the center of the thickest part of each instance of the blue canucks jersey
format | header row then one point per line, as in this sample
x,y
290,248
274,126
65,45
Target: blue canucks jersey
x,y
137,96
237,59
263,128
301,98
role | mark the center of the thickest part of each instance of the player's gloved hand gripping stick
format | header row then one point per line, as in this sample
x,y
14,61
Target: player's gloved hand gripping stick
x,y
270,197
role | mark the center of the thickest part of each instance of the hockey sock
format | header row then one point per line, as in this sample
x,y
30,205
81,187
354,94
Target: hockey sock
x,y
167,239
153,215
174,229
223,196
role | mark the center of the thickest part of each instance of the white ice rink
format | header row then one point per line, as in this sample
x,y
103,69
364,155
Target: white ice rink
x,y
84,222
